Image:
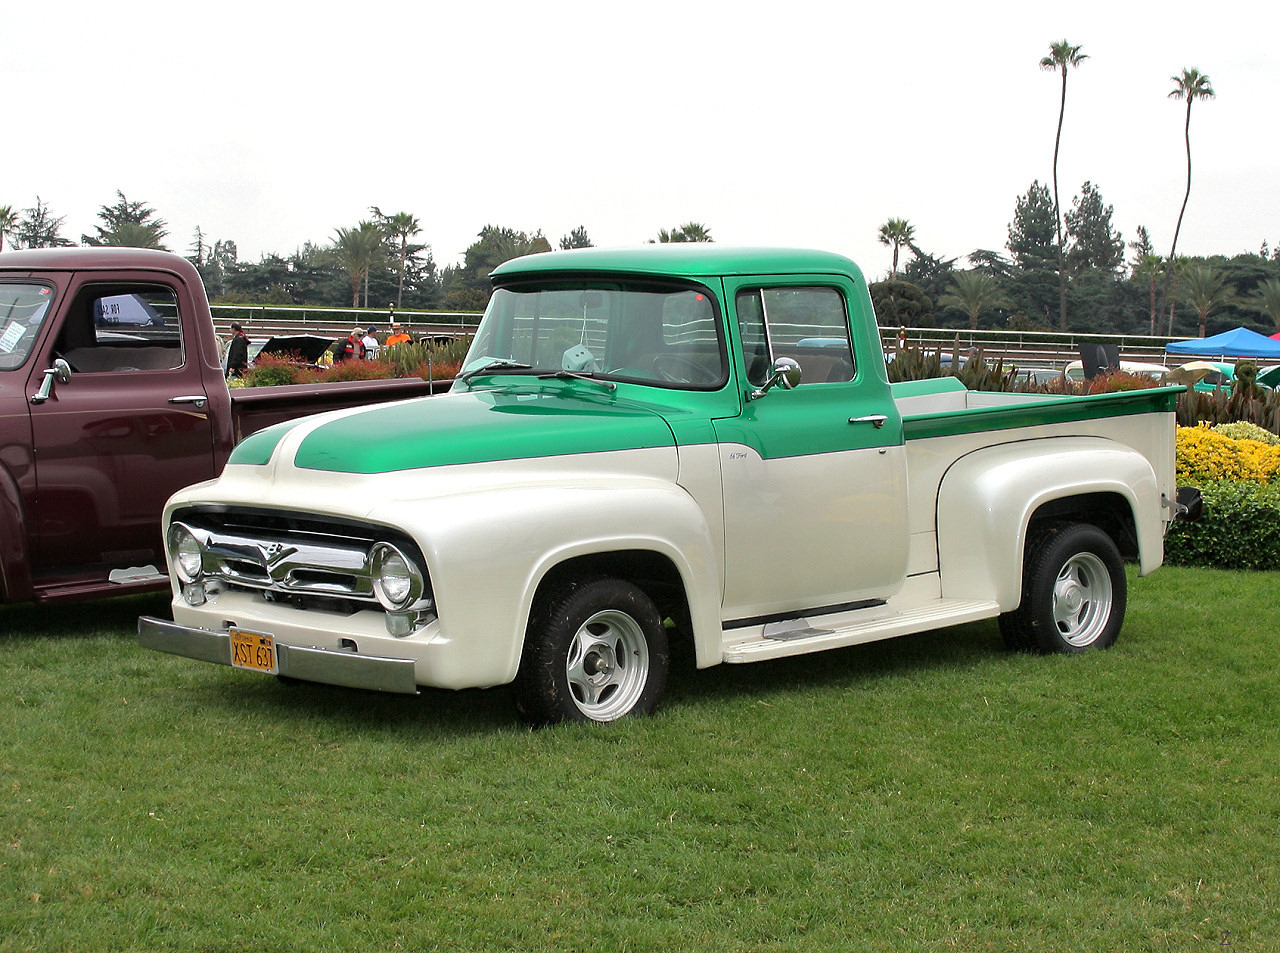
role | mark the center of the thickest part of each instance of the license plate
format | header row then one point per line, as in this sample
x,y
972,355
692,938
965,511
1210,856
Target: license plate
x,y
253,650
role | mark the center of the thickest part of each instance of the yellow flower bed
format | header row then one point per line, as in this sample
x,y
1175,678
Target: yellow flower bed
x,y
1204,455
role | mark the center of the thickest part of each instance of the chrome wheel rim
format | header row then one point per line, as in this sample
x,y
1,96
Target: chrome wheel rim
x,y
607,665
1082,599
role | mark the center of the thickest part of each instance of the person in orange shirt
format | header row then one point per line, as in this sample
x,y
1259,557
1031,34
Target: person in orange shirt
x,y
397,336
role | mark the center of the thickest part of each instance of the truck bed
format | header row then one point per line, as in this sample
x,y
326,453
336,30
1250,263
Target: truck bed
x,y
943,406
943,423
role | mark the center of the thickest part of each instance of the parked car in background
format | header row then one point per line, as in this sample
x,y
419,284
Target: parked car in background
x,y
1038,375
305,348
1204,375
1075,370
1269,376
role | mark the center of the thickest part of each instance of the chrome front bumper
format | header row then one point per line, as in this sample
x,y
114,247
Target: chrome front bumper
x,y
307,663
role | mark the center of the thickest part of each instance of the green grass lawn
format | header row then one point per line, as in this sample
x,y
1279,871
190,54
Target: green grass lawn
x,y
928,793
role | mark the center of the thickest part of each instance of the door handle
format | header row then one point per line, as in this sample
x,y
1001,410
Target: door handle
x,y
198,399
876,420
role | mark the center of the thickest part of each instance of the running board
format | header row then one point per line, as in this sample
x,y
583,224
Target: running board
x,y
846,628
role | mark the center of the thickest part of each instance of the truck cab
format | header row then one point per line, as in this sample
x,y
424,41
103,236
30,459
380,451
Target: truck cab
x,y
113,399
796,472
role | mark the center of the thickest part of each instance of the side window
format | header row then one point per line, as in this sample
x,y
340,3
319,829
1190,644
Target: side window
x,y
115,328
810,325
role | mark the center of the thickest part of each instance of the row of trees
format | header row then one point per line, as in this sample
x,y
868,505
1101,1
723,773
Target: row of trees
x,y
380,261
1073,262
377,262
1018,287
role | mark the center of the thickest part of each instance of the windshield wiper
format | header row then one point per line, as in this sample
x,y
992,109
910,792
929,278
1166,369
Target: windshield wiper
x,y
499,364
575,375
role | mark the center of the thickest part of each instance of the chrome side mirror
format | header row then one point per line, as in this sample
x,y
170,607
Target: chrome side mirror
x,y
60,372
785,372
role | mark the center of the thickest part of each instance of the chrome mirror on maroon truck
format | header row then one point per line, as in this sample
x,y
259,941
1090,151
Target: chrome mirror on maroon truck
x,y
60,372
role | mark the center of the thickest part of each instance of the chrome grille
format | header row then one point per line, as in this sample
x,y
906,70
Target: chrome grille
x,y
290,556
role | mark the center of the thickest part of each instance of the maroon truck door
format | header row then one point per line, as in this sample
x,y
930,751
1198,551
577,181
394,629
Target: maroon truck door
x,y
129,427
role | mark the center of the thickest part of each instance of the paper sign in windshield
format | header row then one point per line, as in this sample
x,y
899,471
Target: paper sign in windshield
x,y
12,335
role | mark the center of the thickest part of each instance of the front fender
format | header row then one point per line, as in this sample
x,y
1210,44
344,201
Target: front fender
x,y
987,498
487,554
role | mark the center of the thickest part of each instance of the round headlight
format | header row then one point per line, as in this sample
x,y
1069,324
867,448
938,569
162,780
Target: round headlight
x,y
188,557
397,582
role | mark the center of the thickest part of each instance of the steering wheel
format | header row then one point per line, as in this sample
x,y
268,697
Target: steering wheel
x,y
677,369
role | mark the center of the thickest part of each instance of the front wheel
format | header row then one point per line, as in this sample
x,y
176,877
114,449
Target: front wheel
x,y
1073,592
595,651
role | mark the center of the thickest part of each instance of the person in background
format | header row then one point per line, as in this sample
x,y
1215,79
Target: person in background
x,y
352,346
397,335
237,351
370,342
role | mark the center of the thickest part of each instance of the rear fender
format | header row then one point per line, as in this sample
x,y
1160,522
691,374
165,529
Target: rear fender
x,y
988,498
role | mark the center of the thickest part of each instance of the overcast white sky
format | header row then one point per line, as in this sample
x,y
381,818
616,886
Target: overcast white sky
x,y
799,123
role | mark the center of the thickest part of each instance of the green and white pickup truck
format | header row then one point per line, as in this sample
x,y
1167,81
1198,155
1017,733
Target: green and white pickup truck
x,y
678,442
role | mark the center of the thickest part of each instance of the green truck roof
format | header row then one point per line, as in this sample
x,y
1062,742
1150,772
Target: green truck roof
x,y
685,259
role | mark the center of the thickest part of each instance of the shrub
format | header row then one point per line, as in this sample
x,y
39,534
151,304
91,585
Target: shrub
x,y
916,364
1240,529
1241,430
270,370
358,370
1205,455
406,358
912,364
425,360
439,370
1222,407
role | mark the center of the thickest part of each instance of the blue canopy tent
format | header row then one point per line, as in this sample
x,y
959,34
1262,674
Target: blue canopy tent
x,y
1240,342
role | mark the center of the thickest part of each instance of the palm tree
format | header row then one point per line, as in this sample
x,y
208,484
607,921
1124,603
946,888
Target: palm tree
x,y
8,219
399,228
1062,56
974,292
1205,289
896,232
1267,300
356,251
1149,267
696,232
688,232
1191,85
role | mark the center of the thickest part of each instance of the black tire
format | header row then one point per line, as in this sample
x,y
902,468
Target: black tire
x,y
1073,592
594,651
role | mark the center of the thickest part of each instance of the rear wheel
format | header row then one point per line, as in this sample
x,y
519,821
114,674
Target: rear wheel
x,y
1073,592
595,651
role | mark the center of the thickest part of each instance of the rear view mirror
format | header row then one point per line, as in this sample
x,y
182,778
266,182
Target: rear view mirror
x,y
60,372
785,373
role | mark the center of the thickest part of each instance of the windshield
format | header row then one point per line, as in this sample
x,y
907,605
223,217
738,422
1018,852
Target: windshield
x,y
23,308
664,335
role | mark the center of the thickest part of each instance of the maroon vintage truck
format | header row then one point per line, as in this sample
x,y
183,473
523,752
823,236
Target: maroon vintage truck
x,y
112,396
